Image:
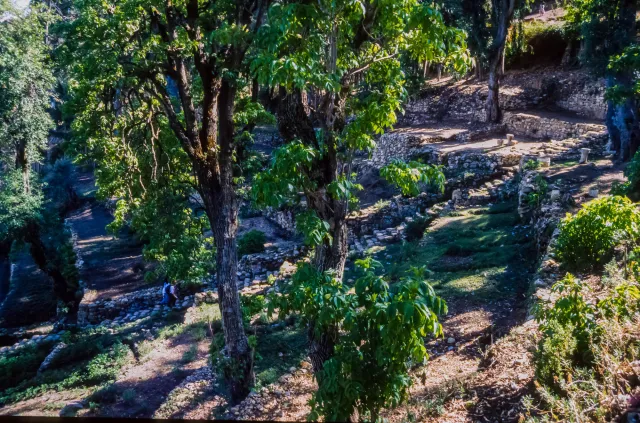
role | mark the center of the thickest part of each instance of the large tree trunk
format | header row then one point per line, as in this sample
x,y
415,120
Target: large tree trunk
x,y
221,204
61,287
295,123
328,257
496,52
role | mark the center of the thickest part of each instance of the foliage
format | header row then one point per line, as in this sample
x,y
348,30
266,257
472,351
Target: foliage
x,y
532,165
415,229
408,177
16,368
384,329
252,305
569,328
100,369
534,42
18,207
583,348
554,356
587,239
251,242
25,80
602,25
534,198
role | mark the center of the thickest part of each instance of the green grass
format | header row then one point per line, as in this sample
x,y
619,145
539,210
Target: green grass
x,y
568,163
190,355
102,368
478,253
291,342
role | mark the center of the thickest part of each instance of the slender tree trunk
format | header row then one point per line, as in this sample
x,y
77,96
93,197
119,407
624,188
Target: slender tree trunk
x,y
22,163
425,68
496,52
328,257
493,112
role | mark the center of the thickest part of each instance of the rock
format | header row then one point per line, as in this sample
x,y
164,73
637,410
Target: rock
x,y
71,409
55,352
522,377
451,341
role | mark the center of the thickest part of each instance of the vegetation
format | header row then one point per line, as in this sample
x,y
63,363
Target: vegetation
x,y
582,345
164,101
252,242
384,329
587,239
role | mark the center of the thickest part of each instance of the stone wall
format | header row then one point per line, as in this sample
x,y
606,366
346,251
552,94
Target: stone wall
x,y
94,312
573,91
542,126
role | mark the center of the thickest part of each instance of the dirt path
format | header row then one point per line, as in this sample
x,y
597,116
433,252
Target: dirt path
x,y
112,266
153,378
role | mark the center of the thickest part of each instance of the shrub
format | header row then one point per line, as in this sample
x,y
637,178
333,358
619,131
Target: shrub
x,y
583,351
531,165
105,395
415,229
572,309
15,369
383,333
190,355
252,242
630,188
554,356
252,305
587,239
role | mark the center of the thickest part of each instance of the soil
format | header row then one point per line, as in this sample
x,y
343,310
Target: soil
x,y
112,266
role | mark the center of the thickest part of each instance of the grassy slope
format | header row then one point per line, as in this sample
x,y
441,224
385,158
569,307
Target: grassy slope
x,y
483,252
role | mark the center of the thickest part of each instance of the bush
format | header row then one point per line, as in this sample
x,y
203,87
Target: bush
x,y
584,349
252,305
587,239
534,43
15,369
252,242
554,356
105,395
415,229
383,329
631,188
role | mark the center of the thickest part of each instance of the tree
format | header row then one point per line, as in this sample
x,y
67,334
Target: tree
x,y
183,64
28,211
25,79
607,28
347,52
501,14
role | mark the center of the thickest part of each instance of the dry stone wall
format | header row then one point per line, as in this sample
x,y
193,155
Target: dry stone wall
x,y
541,126
573,91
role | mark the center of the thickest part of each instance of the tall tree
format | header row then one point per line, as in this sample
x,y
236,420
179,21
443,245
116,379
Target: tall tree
x,y
185,62
28,212
348,53
502,14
